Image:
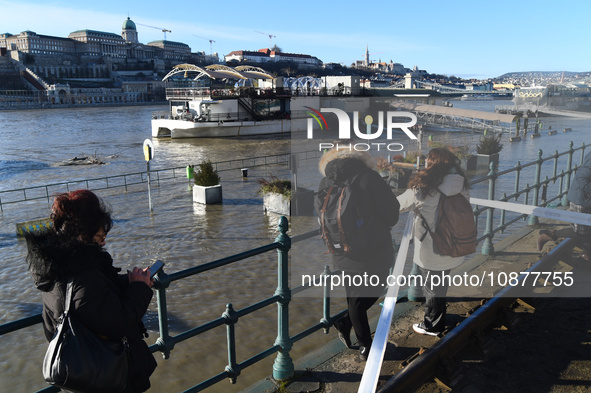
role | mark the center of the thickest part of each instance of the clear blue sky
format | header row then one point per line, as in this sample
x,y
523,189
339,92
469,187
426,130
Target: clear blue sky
x,y
467,38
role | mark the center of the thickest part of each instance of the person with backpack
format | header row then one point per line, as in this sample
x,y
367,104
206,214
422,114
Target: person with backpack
x,y
358,209
441,178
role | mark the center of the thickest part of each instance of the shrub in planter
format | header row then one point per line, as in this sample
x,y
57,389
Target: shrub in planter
x,y
207,188
276,195
206,176
276,186
488,150
489,144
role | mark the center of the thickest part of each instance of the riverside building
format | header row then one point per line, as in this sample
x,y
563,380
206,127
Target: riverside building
x,y
87,45
266,55
87,67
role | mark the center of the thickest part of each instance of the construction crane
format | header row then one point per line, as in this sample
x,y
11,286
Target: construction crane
x,y
210,43
159,28
271,36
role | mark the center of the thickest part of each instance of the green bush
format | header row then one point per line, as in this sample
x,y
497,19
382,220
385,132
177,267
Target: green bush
x,y
206,176
489,144
275,185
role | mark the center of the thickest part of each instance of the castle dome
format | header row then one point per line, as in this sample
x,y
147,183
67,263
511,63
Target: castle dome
x,y
128,24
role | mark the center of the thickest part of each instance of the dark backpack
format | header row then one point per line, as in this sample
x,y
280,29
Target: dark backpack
x,y
343,228
455,230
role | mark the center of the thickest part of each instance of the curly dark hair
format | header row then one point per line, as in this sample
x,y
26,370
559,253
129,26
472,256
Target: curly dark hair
x,y
441,162
79,215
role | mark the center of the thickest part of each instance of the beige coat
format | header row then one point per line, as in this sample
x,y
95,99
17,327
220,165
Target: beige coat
x,y
423,251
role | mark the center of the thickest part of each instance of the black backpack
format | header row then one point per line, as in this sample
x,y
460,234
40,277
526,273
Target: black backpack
x,y
455,230
343,228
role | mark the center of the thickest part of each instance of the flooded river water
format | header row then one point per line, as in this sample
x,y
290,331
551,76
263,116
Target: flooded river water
x,y
177,231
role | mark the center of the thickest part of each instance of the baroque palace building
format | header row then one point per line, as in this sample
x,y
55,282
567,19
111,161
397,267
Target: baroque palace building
x,y
88,66
87,45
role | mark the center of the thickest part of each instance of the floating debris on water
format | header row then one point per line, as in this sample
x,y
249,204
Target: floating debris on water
x,y
84,160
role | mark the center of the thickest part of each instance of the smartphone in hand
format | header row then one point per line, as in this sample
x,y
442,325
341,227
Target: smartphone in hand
x,y
155,268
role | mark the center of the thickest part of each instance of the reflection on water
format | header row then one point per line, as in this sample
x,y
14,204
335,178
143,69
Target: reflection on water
x,y
178,231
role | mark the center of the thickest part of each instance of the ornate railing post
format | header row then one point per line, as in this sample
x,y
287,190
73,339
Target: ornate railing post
x,y
561,188
231,317
517,177
533,220
555,168
569,168
326,320
503,214
487,246
164,342
283,367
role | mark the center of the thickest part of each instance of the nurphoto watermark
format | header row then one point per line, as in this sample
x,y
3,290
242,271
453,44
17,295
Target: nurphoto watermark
x,y
388,121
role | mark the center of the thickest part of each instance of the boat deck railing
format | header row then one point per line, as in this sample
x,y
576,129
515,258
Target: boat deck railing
x,y
190,93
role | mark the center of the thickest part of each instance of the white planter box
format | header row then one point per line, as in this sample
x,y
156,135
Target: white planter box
x,y
468,163
207,195
483,161
277,203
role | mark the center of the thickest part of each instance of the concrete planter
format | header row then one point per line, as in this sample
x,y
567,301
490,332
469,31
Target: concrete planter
x,y
301,205
479,162
468,163
207,195
276,203
483,161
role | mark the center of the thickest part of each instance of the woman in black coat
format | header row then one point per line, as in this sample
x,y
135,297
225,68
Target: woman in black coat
x,y
379,206
109,304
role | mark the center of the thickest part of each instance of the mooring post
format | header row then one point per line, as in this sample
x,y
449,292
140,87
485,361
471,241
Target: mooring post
x,y
283,367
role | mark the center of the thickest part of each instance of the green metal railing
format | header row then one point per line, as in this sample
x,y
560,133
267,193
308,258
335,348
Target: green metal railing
x,y
540,191
283,367
124,181
556,185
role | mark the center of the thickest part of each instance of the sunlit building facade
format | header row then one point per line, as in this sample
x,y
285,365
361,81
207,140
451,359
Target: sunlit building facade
x,y
93,44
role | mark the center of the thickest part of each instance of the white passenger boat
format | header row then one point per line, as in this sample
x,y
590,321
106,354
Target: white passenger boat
x,y
219,101
476,97
212,104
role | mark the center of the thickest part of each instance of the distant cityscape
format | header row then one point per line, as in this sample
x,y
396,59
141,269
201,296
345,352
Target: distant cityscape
x,y
96,66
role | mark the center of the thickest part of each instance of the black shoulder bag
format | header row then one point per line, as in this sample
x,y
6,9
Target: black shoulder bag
x,y
77,359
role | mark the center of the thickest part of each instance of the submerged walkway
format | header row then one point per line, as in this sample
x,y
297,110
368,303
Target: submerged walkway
x,y
519,353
